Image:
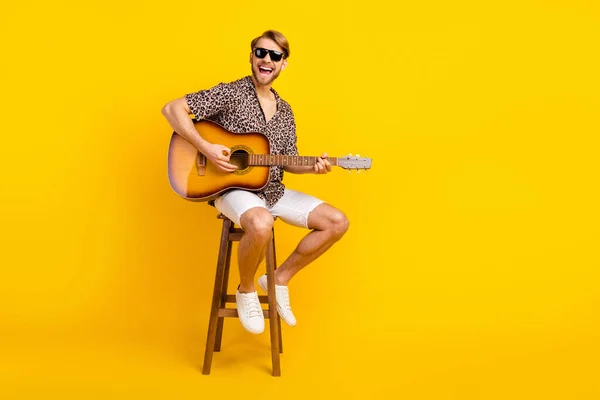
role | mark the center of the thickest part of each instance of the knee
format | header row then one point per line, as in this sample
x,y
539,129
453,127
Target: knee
x,y
257,222
339,224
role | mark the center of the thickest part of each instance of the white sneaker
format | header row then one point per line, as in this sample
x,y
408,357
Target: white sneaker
x,y
250,312
282,296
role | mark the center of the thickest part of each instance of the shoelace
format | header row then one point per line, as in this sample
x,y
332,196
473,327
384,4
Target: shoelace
x,y
252,306
286,299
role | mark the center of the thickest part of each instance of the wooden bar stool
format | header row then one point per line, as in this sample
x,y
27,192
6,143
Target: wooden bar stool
x,y
218,310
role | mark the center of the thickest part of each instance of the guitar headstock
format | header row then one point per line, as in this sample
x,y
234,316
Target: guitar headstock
x,y
357,162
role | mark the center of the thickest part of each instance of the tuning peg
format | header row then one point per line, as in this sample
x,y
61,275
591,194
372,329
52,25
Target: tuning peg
x,y
357,155
358,171
349,171
349,154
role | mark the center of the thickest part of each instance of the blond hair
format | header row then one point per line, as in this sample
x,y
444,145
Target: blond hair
x,y
277,37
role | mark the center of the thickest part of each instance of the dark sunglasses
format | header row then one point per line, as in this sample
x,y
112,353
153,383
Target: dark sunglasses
x,y
262,53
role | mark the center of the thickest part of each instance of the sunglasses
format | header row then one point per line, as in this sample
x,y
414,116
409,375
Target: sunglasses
x,y
262,53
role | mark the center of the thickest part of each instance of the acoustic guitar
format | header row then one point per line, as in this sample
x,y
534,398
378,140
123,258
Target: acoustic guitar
x,y
195,179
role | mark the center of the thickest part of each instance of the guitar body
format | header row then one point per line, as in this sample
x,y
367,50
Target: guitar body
x,y
195,179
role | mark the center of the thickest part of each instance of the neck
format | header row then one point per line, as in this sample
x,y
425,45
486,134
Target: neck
x,y
285,160
263,91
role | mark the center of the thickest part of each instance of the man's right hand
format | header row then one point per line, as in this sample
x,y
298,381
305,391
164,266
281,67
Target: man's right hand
x,y
219,155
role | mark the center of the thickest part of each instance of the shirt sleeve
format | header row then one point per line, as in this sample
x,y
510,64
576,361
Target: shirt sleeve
x,y
208,103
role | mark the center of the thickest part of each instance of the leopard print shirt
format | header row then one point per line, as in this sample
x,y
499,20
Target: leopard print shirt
x,y
235,107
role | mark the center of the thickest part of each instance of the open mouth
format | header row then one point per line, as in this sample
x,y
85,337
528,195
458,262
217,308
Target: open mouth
x,y
265,70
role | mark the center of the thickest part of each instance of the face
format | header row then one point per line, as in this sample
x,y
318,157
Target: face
x,y
265,70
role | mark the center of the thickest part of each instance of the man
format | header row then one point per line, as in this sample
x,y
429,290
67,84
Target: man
x,y
250,104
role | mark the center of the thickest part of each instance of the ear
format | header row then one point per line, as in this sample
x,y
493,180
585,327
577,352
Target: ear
x,y
284,64
250,57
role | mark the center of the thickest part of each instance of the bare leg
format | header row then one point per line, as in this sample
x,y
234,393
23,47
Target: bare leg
x,y
257,223
329,225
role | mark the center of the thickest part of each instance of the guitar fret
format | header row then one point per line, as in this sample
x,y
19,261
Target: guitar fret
x,y
284,160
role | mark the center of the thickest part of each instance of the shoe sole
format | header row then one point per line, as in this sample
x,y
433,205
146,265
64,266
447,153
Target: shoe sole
x,y
251,331
254,332
264,289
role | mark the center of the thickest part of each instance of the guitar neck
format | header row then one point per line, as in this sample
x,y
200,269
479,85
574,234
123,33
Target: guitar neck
x,y
283,160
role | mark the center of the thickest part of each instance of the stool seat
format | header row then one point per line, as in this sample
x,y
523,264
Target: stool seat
x,y
219,311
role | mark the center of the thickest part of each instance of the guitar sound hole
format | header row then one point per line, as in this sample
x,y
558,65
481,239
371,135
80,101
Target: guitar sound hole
x,y
239,158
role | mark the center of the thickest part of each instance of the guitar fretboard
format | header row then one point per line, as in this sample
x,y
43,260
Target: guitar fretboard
x,y
269,159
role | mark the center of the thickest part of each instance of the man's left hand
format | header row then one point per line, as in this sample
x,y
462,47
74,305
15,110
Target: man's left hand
x,y
322,166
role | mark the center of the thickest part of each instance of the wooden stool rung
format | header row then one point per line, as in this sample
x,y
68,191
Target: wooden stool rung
x,y
235,237
230,298
232,313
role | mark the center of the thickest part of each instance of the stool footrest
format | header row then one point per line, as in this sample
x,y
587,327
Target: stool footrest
x,y
232,313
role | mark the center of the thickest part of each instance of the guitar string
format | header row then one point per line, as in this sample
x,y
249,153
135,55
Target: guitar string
x,y
274,155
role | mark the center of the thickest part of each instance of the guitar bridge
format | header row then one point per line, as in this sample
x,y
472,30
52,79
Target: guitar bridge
x,y
201,164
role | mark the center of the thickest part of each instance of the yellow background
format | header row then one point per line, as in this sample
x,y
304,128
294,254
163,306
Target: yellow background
x,y
470,270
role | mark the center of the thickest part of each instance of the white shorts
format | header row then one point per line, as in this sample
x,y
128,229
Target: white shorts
x,y
293,208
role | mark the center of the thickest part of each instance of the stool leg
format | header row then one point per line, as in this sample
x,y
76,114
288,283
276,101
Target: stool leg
x,y
275,338
278,317
279,330
216,300
223,302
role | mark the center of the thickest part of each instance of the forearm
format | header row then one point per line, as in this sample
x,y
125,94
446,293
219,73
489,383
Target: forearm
x,y
180,121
